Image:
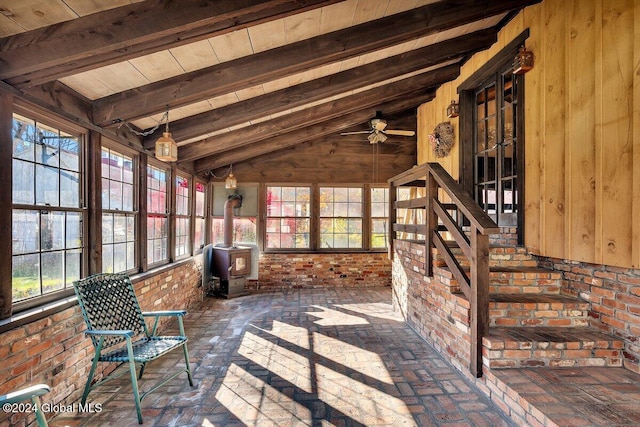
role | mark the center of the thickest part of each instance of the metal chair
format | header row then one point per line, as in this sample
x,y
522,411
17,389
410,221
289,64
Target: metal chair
x,y
32,393
113,317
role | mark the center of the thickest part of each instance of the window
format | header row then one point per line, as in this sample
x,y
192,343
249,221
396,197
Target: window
x,y
48,231
183,221
157,215
288,217
341,217
244,217
201,215
118,212
379,217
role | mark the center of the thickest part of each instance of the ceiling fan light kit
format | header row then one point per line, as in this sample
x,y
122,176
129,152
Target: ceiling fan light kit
x,y
378,132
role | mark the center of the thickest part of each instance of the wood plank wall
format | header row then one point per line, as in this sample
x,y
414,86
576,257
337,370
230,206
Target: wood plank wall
x,y
582,128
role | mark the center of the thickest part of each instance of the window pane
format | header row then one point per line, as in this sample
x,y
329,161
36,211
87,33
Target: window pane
x,y
23,138
52,230
47,186
23,177
69,153
200,199
53,271
69,189
25,234
25,276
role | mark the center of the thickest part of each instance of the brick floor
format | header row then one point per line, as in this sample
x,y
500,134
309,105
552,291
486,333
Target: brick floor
x,y
300,358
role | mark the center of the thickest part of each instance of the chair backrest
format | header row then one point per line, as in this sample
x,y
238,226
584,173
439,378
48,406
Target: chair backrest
x,y
108,302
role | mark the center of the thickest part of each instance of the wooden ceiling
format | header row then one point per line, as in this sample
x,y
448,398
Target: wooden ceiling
x,y
240,78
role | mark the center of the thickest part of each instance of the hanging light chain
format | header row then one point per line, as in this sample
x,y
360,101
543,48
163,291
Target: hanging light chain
x,y
164,118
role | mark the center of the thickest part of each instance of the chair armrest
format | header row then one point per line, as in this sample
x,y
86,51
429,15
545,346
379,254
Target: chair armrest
x,y
124,332
178,313
25,393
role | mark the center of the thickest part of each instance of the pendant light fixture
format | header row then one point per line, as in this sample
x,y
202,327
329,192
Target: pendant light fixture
x,y
166,147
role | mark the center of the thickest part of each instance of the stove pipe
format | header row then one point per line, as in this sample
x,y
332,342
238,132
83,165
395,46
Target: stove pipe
x,y
234,201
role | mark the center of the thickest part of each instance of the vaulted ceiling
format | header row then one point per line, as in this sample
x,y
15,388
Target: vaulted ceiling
x,y
239,78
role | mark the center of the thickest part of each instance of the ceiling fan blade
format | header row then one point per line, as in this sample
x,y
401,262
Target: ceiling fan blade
x,y
356,133
400,132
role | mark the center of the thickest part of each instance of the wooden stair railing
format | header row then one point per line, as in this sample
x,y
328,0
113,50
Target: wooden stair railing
x,y
437,218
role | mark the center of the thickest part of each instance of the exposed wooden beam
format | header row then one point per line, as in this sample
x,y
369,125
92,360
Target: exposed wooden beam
x,y
115,35
312,132
319,113
294,58
325,87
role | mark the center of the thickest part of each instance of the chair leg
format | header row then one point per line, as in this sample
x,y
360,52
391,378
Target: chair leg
x,y
41,419
134,380
186,351
186,361
87,387
141,370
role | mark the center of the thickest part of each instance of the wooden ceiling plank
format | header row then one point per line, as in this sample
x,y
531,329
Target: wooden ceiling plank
x,y
294,58
115,35
323,112
325,87
308,133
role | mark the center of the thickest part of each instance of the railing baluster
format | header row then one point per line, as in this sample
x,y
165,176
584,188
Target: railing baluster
x,y
431,221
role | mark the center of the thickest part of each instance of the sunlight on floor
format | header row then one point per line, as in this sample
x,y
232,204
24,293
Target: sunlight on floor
x,y
288,365
357,359
295,335
379,310
362,403
256,403
329,317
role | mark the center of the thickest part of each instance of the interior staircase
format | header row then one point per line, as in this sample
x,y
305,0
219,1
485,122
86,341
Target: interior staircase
x,y
532,323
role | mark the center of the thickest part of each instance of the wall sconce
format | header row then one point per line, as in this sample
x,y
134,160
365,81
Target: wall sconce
x,y
230,183
523,61
453,110
166,147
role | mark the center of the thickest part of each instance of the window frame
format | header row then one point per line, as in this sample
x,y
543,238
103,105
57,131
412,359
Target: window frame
x,y
152,162
196,218
46,119
190,192
314,218
137,247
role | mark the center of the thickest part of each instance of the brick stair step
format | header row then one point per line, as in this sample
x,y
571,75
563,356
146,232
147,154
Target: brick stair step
x,y
526,280
537,310
509,280
515,347
507,256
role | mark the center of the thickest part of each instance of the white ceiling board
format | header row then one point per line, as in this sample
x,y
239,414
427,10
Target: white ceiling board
x,y
250,92
87,7
302,26
195,56
157,66
32,14
267,36
337,16
368,10
232,45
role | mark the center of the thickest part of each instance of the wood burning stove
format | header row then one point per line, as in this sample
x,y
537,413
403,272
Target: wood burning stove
x,y
231,264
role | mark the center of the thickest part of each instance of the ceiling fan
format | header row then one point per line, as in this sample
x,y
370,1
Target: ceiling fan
x,y
378,132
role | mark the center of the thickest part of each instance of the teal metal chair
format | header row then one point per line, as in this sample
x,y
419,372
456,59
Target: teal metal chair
x,y
33,394
119,333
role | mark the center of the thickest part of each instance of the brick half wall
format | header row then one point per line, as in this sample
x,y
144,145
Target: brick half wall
x,y
55,351
614,294
321,270
428,305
